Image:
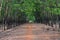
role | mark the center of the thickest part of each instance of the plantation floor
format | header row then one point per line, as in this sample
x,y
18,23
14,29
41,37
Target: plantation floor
x,y
30,32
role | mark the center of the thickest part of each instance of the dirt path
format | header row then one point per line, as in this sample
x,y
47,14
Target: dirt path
x,y
31,32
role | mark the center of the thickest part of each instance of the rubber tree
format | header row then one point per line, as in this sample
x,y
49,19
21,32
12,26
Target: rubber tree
x,y
4,11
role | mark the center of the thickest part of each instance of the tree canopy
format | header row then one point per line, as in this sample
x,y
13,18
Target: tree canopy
x,y
29,9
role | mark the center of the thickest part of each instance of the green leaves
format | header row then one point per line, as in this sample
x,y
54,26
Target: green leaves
x,y
39,6
32,7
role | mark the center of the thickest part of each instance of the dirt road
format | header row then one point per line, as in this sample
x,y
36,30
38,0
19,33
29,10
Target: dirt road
x,y
30,32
